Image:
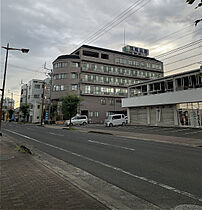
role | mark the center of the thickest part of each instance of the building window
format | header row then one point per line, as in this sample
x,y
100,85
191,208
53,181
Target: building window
x,y
117,60
38,107
148,65
111,101
90,54
60,65
94,67
36,96
74,76
74,87
75,64
37,117
62,87
96,114
90,114
86,66
87,89
104,56
37,86
103,101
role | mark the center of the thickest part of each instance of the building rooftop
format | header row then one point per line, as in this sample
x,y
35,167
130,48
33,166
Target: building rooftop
x,y
73,56
113,51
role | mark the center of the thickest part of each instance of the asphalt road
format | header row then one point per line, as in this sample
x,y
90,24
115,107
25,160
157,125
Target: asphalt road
x,y
183,132
164,174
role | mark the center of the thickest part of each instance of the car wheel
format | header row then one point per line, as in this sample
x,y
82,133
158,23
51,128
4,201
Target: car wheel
x,y
123,123
71,124
84,123
110,125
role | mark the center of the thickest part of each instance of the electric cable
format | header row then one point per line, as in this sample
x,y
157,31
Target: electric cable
x,y
182,59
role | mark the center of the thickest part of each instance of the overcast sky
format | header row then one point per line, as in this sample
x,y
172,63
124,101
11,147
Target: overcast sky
x,y
50,28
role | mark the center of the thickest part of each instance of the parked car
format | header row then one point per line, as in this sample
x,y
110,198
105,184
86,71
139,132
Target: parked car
x,y
116,119
77,120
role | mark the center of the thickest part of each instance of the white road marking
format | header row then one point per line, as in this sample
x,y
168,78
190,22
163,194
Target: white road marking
x,y
167,187
106,144
192,132
179,130
55,134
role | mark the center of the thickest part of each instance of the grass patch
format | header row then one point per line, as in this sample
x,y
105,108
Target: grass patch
x,y
72,128
23,149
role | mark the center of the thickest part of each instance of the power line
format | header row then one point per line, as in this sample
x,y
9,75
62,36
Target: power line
x,y
180,53
188,34
180,48
183,67
183,59
26,69
173,33
118,22
122,16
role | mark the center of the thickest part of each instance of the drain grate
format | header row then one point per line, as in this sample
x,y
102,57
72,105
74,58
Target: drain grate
x,y
6,157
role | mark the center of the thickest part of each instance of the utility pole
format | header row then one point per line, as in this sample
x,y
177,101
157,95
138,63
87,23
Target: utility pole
x,y
4,79
50,95
42,105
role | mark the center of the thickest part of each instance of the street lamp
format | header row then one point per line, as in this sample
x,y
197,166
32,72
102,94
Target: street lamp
x,y
4,79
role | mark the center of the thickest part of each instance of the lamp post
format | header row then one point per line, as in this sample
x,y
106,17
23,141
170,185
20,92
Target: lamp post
x,y
4,79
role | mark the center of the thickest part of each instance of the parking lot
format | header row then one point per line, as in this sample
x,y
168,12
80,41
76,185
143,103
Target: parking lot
x,y
165,131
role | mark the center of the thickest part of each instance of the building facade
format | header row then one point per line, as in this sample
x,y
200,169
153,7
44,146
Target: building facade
x,y
101,77
33,94
8,104
174,100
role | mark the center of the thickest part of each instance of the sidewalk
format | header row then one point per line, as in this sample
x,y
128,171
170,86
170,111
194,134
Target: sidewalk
x,y
26,184
191,142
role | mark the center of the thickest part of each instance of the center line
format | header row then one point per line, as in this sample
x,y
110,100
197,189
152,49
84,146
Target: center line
x,y
55,134
167,187
106,144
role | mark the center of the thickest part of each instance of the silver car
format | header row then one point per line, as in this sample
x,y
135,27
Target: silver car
x,y
78,120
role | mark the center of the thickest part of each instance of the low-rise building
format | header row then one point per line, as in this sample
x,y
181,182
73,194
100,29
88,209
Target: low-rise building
x,y
174,100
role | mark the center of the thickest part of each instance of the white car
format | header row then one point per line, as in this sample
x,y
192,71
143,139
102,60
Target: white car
x,y
116,119
78,120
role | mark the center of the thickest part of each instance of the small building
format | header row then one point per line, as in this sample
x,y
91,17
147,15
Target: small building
x,y
174,100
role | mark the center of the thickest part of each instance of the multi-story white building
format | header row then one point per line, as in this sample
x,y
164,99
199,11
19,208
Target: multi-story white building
x,y
32,95
174,100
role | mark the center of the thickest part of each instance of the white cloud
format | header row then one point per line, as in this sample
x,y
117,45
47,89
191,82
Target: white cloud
x,y
50,27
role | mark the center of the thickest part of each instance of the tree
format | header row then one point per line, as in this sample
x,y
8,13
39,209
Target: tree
x,y
25,110
69,106
199,5
10,113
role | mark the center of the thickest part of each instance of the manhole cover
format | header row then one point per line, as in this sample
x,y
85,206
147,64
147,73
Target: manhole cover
x,y
6,157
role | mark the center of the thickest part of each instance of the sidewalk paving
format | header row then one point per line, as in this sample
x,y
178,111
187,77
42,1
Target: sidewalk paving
x,y
27,184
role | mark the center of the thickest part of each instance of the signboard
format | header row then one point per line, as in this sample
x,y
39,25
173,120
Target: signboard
x,y
46,115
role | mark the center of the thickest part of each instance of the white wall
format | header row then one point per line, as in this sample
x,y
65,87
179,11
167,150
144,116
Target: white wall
x,y
183,96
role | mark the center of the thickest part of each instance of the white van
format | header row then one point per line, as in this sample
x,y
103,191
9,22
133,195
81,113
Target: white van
x,y
116,119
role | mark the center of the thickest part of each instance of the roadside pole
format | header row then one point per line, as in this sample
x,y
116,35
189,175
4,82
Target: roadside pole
x,y
42,105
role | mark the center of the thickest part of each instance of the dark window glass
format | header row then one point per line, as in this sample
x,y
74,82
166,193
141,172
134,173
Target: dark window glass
x,y
90,54
104,56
